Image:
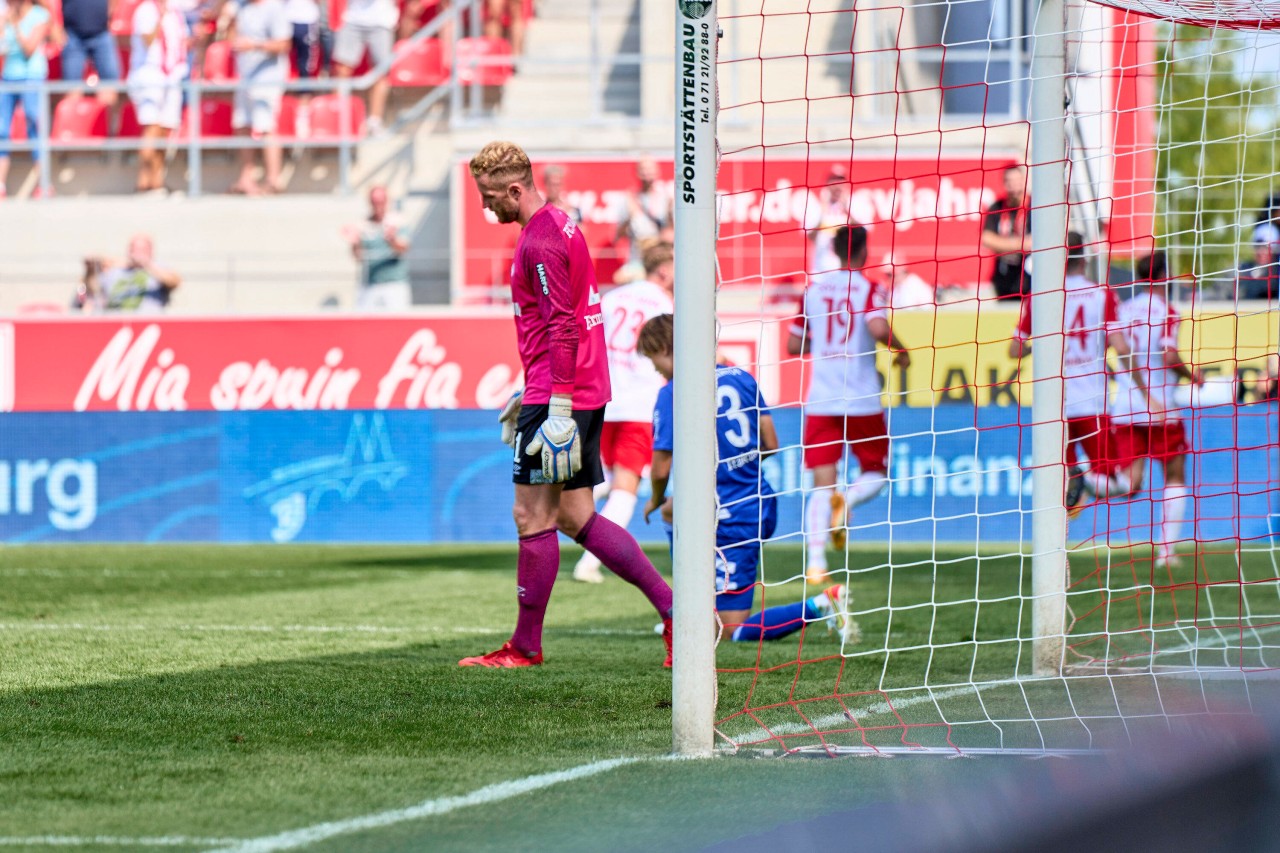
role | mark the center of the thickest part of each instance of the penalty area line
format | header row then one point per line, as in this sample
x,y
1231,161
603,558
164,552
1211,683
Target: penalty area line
x,y
296,838
110,841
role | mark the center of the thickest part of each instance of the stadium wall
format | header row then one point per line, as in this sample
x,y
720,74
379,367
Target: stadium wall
x,y
432,476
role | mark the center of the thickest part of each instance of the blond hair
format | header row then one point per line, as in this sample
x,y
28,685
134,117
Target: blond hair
x,y
503,163
655,254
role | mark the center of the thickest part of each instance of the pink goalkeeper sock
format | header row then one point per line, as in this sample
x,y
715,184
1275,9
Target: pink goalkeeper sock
x,y
620,553
536,569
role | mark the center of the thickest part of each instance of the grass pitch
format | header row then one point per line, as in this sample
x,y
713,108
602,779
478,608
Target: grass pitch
x,y
206,695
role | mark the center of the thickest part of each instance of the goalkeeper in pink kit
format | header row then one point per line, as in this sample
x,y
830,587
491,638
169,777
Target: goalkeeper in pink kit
x,y
554,425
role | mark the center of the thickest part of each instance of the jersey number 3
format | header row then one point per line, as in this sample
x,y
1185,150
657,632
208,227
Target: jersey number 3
x,y
741,435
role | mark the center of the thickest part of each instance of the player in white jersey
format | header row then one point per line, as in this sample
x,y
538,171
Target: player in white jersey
x,y
626,445
844,318
1148,422
1090,327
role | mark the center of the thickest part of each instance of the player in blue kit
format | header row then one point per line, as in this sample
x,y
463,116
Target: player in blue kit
x,y
747,508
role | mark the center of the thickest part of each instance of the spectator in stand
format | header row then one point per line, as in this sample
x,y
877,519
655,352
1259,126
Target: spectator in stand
x,y
379,245
136,285
553,191
418,13
261,37
24,30
645,215
311,46
1257,278
1006,230
505,19
202,18
1267,227
832,213
86,34
367,25
157,67
907,290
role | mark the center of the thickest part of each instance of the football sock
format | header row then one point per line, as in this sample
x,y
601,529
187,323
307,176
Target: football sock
x,y
618,508
536,569
863,489
620,554
1176,499
773,623
817,520
1105,487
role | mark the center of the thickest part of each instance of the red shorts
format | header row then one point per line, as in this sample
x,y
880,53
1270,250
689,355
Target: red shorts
x,y
825,437
1159,441
1095,435
627,443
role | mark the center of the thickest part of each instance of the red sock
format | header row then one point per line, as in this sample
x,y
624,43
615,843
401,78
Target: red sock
x,y
621,554
536,569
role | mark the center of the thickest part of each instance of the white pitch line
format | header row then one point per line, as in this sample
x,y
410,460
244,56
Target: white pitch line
x,y
293,839
306,629
110,841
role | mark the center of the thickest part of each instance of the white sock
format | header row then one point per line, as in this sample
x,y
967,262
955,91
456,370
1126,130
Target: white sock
x,y
1175,503
863,489
1105,487
817,521
618,508
601,491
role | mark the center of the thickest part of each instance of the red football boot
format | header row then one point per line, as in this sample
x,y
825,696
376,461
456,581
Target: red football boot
x,y
507,657
666,640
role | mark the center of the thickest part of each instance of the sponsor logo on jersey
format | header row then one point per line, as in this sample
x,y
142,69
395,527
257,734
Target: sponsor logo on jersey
x,y
594,320
568,228
542,279
594,298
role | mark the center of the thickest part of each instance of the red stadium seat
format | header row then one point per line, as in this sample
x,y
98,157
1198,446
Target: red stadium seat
x,y
219,63
419,65
483,48
79,118
287,120
18,127
129,127
326,117
215,120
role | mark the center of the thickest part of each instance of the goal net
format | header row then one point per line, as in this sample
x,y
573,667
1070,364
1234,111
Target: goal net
x,y
1070,534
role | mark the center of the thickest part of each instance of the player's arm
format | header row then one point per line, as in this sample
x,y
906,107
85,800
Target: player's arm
x,y
1129,363
798,342
880,330
768,436
1020,343
659,477
1173,361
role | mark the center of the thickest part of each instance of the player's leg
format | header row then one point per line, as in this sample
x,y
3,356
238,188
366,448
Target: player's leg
x,y
613,545
1102,475
823,447
537,506
868,439
626,448
1169,446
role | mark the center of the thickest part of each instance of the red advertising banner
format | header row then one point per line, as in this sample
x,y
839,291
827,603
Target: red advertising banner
x,y
170,364
922,212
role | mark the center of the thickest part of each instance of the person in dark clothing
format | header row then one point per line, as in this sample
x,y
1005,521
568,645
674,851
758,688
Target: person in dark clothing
x,y
1006,230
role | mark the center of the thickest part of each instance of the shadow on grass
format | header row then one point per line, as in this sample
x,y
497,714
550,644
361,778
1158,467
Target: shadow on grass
x,y
247,749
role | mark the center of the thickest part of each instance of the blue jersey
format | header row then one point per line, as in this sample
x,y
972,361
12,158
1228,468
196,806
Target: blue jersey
x,y
739,484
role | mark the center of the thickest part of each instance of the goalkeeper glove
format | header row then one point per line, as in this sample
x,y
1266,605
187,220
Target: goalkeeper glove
x,y
509,417
558,442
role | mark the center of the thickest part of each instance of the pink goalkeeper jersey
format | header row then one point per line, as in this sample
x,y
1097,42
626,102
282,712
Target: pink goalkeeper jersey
x,y
559,325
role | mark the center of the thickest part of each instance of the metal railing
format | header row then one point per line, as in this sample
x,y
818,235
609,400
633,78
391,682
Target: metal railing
x,y
195,91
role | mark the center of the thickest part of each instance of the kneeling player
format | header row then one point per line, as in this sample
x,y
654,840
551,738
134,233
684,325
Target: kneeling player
x,y
747,513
